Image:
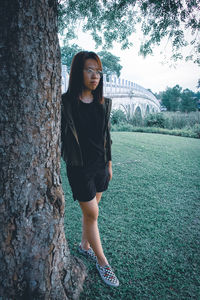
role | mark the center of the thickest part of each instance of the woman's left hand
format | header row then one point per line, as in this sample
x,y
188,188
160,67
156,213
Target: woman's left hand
x,y
110,169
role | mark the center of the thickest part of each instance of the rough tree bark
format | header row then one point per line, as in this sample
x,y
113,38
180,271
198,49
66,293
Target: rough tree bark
x,y
35,262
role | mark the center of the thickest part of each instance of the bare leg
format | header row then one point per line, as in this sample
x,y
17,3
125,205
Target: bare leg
x,y
98,197
90,229
84,242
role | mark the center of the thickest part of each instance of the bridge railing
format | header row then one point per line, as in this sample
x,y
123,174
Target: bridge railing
x,y
116,87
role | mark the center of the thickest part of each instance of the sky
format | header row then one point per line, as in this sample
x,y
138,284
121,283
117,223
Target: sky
x,y
153,72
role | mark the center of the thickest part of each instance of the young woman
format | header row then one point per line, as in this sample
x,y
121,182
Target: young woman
x,y
86,149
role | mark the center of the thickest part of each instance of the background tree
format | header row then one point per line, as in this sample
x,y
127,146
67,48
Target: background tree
x,y
34,256
188,101
67,54
115,20
111,65
171,98
158,95
175,99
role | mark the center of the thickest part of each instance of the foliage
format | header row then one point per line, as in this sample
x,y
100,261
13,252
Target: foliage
x,y
148,219
136,119
111,65
116,20
171,98
196,129
185,132
122,126
188,101
175,99
67,54
155,120
180,120
117,116
173,123
110,62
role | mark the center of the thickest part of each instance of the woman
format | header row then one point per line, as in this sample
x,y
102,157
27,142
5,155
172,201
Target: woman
x,y
86,149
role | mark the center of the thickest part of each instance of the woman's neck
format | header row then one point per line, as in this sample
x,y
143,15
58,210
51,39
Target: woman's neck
x,y
86,96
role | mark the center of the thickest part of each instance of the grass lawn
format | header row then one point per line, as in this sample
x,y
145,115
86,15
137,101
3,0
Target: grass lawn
x,y
149,219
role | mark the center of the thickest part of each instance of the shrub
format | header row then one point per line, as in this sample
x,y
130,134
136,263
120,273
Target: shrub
x,y
117,116
155,120
196,130
123,126
136,120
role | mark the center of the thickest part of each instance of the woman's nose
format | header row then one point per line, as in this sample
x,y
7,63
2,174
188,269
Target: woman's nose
x,y
94,74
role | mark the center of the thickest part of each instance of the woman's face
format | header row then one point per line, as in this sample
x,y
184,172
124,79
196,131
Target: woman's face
x,y
91,74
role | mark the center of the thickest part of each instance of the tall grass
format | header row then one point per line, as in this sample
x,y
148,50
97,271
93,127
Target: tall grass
x,y
178,120
174,123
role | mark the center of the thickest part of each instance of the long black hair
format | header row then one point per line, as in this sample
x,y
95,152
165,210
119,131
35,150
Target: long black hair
x,y
76,76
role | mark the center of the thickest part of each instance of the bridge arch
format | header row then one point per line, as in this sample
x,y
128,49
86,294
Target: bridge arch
x,y
138,112
147,110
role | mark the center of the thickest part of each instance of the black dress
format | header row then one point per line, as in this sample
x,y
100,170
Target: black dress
x,y
93,177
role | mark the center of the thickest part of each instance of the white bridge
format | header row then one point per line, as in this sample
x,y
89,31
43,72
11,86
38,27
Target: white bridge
x,y
126,95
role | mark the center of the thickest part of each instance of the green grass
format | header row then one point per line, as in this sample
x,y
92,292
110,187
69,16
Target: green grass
x,y
149,219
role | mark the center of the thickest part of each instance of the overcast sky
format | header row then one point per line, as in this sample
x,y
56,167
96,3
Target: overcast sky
x,y
153,72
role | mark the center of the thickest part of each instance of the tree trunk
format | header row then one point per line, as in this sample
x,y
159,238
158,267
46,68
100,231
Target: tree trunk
x,y
35,262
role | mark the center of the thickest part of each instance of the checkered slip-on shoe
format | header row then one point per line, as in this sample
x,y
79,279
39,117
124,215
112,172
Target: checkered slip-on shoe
x,y
88,253
107,275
